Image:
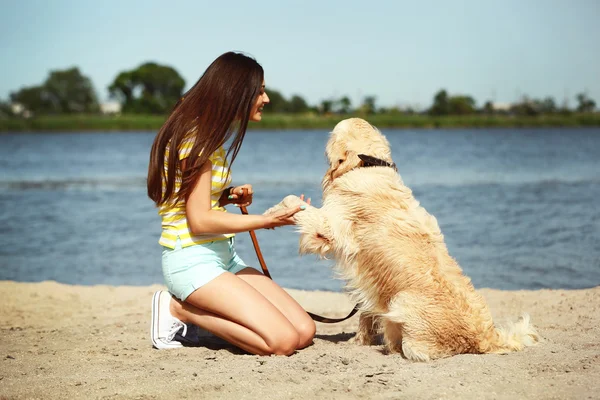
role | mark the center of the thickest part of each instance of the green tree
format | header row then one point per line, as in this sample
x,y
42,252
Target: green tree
x,y
547,105
297,104
461,105
488,108
277,103
368,106
32,98
326,106
526,107
123,87
344,105
150,88
68,91
532,107
585,104
441,104
5,110
64,92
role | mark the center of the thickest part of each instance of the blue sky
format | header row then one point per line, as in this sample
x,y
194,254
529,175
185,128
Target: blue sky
x,y
402,52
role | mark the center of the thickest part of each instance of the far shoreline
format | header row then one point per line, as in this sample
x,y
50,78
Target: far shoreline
x,y
287,122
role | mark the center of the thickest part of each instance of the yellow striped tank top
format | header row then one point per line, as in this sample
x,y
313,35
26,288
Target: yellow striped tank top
x,y
174,221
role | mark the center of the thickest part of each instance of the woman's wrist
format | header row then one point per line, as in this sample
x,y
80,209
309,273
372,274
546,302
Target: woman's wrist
x,y
266,222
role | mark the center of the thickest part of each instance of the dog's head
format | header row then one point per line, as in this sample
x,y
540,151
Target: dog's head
x,y
349,138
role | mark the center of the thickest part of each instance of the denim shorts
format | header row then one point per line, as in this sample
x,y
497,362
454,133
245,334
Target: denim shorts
x,y
186,269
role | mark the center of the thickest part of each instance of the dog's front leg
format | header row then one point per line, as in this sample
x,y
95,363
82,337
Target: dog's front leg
x,y
316,237
312,224
368,330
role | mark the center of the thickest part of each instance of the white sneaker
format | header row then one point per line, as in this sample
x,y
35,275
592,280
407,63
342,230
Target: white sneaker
x,y
164,326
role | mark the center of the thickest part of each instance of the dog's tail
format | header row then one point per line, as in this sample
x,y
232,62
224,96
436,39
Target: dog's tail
x,y
514,336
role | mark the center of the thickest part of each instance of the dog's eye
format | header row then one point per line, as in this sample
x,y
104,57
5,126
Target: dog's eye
x,y
340,161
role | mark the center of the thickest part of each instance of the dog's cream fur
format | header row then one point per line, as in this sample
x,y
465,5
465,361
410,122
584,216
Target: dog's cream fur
x,y
392,255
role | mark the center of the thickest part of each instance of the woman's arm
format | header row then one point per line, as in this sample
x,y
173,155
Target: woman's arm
x,y
203,220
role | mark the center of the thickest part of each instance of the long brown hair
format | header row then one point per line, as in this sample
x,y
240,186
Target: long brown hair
x,y
216,108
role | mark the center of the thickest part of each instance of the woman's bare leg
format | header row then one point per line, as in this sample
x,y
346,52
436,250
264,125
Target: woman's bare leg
x,y
285,303
234,310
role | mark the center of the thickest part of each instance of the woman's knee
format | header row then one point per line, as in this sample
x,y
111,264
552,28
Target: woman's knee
x,y
300,337
285,344
306,333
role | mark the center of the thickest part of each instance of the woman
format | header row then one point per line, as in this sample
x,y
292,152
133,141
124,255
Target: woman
x,y
188,178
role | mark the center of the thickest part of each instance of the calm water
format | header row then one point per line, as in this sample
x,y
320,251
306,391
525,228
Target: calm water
x,y
520,209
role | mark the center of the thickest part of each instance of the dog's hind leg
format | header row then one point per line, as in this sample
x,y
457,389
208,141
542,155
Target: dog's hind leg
x,y
405,331
397,341
367,330
392,335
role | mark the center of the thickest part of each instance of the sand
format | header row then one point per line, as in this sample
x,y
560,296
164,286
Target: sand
x,y
91,342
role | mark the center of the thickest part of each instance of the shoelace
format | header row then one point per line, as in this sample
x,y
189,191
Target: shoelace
x,y
177,324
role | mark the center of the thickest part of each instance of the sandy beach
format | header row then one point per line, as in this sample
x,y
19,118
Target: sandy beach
x,y
92,342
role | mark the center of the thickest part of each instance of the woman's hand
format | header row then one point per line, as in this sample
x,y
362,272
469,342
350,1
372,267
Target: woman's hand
x,y
240,196
282,217
283,213
307,201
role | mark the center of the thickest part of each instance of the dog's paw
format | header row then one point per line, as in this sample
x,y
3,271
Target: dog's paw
x,y
292,201
274,209
365,340
288,202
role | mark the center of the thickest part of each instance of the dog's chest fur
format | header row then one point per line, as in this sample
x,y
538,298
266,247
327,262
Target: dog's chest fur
x,y
368,211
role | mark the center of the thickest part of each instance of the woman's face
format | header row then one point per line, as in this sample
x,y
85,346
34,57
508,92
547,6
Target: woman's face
x,y
261,100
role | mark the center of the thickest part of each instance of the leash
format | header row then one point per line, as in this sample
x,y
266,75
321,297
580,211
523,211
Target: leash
x,y
265,270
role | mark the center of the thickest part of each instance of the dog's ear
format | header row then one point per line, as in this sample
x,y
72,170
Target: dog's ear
x,y
348,162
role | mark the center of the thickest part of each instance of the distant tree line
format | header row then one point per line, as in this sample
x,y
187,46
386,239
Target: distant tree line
x,y
63,92
152,88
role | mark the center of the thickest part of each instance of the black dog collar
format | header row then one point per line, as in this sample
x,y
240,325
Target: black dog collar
x,y
369,161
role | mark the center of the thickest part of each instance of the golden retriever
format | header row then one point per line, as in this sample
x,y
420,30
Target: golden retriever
x,y
392,256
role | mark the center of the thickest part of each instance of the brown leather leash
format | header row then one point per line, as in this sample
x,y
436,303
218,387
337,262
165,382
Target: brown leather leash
x,y
265,270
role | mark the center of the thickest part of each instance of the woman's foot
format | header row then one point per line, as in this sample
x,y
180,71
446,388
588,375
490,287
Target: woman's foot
x,y
166,331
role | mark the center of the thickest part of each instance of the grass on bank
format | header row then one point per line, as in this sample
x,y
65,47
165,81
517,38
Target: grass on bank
x,y
136,122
